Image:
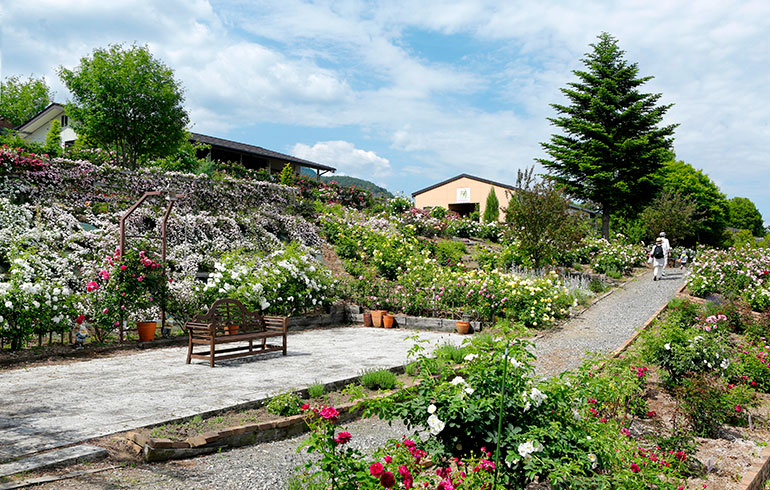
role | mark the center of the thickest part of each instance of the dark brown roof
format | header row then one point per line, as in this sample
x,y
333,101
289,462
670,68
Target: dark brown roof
x,y
256,150
53,105
490,182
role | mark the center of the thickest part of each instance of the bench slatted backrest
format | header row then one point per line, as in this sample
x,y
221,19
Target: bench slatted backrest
x,y
228,312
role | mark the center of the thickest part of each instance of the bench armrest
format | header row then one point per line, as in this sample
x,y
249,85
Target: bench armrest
x,y
277,323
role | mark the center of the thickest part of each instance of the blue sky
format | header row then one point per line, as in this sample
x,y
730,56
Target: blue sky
x,y
408,93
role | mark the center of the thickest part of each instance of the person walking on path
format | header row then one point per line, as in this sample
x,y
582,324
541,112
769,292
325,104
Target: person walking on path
x,y
666,251
683,261
658,256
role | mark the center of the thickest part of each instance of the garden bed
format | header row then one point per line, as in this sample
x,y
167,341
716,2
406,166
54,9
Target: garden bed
x,y
198,435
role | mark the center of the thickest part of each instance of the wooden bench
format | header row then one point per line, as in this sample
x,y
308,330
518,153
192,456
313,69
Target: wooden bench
x,y
228,321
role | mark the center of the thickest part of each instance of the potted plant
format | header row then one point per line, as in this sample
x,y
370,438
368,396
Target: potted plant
x,y
463,325
130,284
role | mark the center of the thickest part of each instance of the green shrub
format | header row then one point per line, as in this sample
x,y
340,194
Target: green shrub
x,y
412,368
449,252
451,353
438,212
381,379
285,404
613,273
399,205
597,286
708,402
316,390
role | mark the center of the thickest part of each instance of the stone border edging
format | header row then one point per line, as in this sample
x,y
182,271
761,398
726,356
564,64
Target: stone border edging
x,y
758,474
163,449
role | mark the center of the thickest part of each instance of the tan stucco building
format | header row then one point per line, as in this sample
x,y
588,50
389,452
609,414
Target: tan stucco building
x,y
462,193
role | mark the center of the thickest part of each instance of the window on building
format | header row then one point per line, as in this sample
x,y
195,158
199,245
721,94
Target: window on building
x,y
65,121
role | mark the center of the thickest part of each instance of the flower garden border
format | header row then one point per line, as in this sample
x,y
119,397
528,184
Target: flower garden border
x,y
337,316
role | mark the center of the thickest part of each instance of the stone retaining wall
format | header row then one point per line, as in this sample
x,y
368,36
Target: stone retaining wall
x,y
354,314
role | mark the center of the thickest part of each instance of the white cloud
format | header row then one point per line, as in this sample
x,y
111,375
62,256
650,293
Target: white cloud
x,y
351,63
346,158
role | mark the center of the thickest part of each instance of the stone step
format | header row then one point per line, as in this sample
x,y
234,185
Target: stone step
x,y
67,455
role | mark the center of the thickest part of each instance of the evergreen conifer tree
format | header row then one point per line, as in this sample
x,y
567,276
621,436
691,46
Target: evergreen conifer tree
x,y
613,143
492,209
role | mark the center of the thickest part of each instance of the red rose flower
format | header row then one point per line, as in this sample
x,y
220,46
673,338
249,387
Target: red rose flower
x,y
343,437
376,469
387,480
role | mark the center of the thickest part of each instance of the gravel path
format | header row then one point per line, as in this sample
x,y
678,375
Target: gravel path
x,y
260,467
607,324
602,328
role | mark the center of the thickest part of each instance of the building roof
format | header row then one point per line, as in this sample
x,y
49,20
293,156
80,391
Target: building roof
x,y
256,150
486,181
40,118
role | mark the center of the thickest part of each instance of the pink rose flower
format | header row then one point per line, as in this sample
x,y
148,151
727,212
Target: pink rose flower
x,y
330,413
123,267
92,286
635,468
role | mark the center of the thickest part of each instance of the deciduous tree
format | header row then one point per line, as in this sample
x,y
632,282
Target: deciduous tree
x,y
710,204
539,218
744,215
125,99
22,99
613,142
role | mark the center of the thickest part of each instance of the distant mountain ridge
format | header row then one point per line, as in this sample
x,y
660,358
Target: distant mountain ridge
x,y
347,181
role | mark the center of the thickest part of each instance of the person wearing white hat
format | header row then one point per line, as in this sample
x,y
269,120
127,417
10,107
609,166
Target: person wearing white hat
x,y
666,251
658,257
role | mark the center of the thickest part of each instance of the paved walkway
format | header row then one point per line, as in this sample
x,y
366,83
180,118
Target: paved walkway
x,y
52,406
606,325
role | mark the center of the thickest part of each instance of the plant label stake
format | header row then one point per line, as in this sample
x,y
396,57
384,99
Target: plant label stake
x,y
500,414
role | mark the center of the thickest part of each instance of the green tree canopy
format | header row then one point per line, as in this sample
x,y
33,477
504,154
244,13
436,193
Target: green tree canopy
x,y
492,208
744,215
613,143
125,99
673,213
711,205
22,99
539,218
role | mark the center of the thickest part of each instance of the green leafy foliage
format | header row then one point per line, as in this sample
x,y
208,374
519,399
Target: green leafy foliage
x,y
285,404
540,221
379,379
21,99
708,401
673,213
126,100
613,141
711,205
316,390
743,214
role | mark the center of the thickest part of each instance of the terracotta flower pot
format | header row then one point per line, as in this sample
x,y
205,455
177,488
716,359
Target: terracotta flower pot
x,y
387,321
463,327
368,319
231,329
146,331
377,317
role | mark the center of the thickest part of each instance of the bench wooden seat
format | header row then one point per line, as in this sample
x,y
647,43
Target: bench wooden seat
x,y
227,322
